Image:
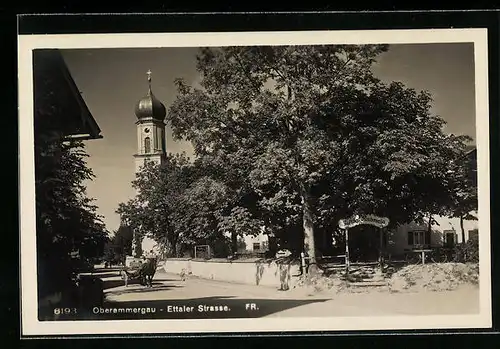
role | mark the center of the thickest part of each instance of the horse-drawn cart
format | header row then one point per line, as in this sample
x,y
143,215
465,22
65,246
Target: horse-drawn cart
x,y
141,271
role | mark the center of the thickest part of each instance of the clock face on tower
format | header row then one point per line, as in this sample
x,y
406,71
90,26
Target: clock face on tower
x,y
146,130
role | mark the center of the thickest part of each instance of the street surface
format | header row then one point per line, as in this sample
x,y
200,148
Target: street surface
x,y
170,297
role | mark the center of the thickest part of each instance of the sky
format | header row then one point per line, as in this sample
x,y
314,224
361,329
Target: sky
x,y
113,80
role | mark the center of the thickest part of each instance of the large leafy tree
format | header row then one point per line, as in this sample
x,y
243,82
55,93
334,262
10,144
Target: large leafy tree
x,y
182,204
315,136
232,201
155,210
66,218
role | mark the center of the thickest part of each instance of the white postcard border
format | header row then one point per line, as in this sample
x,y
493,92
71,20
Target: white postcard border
x,y
31,325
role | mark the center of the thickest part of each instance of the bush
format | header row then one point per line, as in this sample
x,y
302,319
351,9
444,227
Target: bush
x,y
467,252
221,247
90,291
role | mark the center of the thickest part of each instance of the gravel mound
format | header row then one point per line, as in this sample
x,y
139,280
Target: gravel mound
x,y
412,278
434,277
317,284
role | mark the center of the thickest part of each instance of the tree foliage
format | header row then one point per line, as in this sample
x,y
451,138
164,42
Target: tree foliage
x,y
310,136
154,211
181,204
66,218
463,180
120,245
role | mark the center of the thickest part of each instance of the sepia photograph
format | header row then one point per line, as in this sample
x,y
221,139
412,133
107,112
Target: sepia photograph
x,y
292,181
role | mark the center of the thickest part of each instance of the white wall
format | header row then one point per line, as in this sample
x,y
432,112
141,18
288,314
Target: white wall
x,y
454,224
251,273
398,238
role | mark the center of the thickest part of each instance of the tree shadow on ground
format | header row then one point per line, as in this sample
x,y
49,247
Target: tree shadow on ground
x,y
143,289
106,270
107,284
200,309
105,275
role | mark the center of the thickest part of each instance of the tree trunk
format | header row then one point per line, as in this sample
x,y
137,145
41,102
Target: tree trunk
x,y
462,228
173,248
309,246
428,237
137,247
234,242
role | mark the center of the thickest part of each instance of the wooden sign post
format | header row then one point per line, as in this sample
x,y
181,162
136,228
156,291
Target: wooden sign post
x,y
351,222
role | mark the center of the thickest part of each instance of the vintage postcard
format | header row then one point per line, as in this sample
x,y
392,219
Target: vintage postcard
x,y
265,181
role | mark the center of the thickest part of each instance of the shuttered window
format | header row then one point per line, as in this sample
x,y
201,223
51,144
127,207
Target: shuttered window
x,y
419,238
410,238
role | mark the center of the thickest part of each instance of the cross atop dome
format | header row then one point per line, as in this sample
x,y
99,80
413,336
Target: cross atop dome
x,y
148,73
150,106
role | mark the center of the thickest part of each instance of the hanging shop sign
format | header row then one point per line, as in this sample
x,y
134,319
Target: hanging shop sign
x,y
379,222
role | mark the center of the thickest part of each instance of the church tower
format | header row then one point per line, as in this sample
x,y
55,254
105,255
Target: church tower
x,y
151,146
150,123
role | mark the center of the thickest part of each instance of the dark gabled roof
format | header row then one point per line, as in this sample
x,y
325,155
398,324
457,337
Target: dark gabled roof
x,y
55,90
471,154
470,148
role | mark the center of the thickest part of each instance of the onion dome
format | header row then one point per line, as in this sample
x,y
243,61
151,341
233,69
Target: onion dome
x,y
149,106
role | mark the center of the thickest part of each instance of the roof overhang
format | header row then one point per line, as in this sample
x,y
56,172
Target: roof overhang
x,y
77,121
83,137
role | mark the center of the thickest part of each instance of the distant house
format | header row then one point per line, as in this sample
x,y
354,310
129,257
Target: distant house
x,y
250,243
258,243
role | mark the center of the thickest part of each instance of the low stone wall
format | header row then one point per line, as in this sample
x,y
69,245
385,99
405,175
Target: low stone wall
x,y
265,273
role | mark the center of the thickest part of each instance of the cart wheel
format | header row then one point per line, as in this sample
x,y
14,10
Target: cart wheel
x,y
412,258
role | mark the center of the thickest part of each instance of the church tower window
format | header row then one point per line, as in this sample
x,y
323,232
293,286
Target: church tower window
x,y
163,146
147,145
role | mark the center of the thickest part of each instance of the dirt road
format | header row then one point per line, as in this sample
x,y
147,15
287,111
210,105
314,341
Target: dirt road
x,y
171,297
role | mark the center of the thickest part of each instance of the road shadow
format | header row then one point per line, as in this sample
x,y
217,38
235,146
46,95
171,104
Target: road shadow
x,y
112,283
216,307
105,270
107,274
107,284
143,289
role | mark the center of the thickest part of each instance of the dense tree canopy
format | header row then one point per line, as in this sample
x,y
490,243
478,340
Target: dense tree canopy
x,y
66,218
120,245
181,204
309,135
153,212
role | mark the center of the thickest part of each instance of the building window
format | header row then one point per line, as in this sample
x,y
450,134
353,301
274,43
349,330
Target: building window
x,y
449,238
163,148
474,234
158,139
256,246
418,238
147,145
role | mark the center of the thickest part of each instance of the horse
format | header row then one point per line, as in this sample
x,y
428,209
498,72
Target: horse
x,y
145,273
